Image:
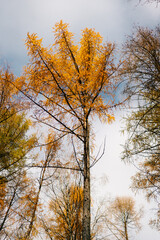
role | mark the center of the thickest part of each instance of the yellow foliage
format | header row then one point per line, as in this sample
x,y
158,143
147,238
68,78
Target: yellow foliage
x,y
67,214
2,195
75,74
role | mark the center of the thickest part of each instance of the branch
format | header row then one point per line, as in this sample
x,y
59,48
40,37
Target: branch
x,y
76,158
96,158
45,110
57,167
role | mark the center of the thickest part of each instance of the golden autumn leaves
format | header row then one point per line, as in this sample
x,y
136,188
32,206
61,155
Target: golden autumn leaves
x,y
80,71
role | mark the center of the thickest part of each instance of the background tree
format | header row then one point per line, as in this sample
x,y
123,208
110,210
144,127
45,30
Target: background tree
x,y
14,147
65,211
15,144
122,218
142,52
70,84
19,206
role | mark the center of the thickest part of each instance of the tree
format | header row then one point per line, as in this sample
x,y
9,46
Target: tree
x,y
122,216
70,84
14,144
19,206
65,212
14,147
143,144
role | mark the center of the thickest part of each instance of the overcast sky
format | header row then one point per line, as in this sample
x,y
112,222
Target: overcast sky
x,y
114,19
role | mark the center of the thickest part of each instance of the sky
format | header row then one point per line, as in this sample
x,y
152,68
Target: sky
x,y
114,20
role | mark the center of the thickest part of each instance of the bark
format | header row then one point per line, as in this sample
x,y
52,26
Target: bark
x,y
126,231
86,197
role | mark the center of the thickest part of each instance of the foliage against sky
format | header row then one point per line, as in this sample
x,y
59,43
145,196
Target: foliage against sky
x,y
18,17
143,144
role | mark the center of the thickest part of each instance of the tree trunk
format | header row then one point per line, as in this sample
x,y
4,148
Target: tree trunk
x,y
126,232
9,207
86,189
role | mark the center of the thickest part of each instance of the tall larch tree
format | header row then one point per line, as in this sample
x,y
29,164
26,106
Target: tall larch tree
x,y
69,84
